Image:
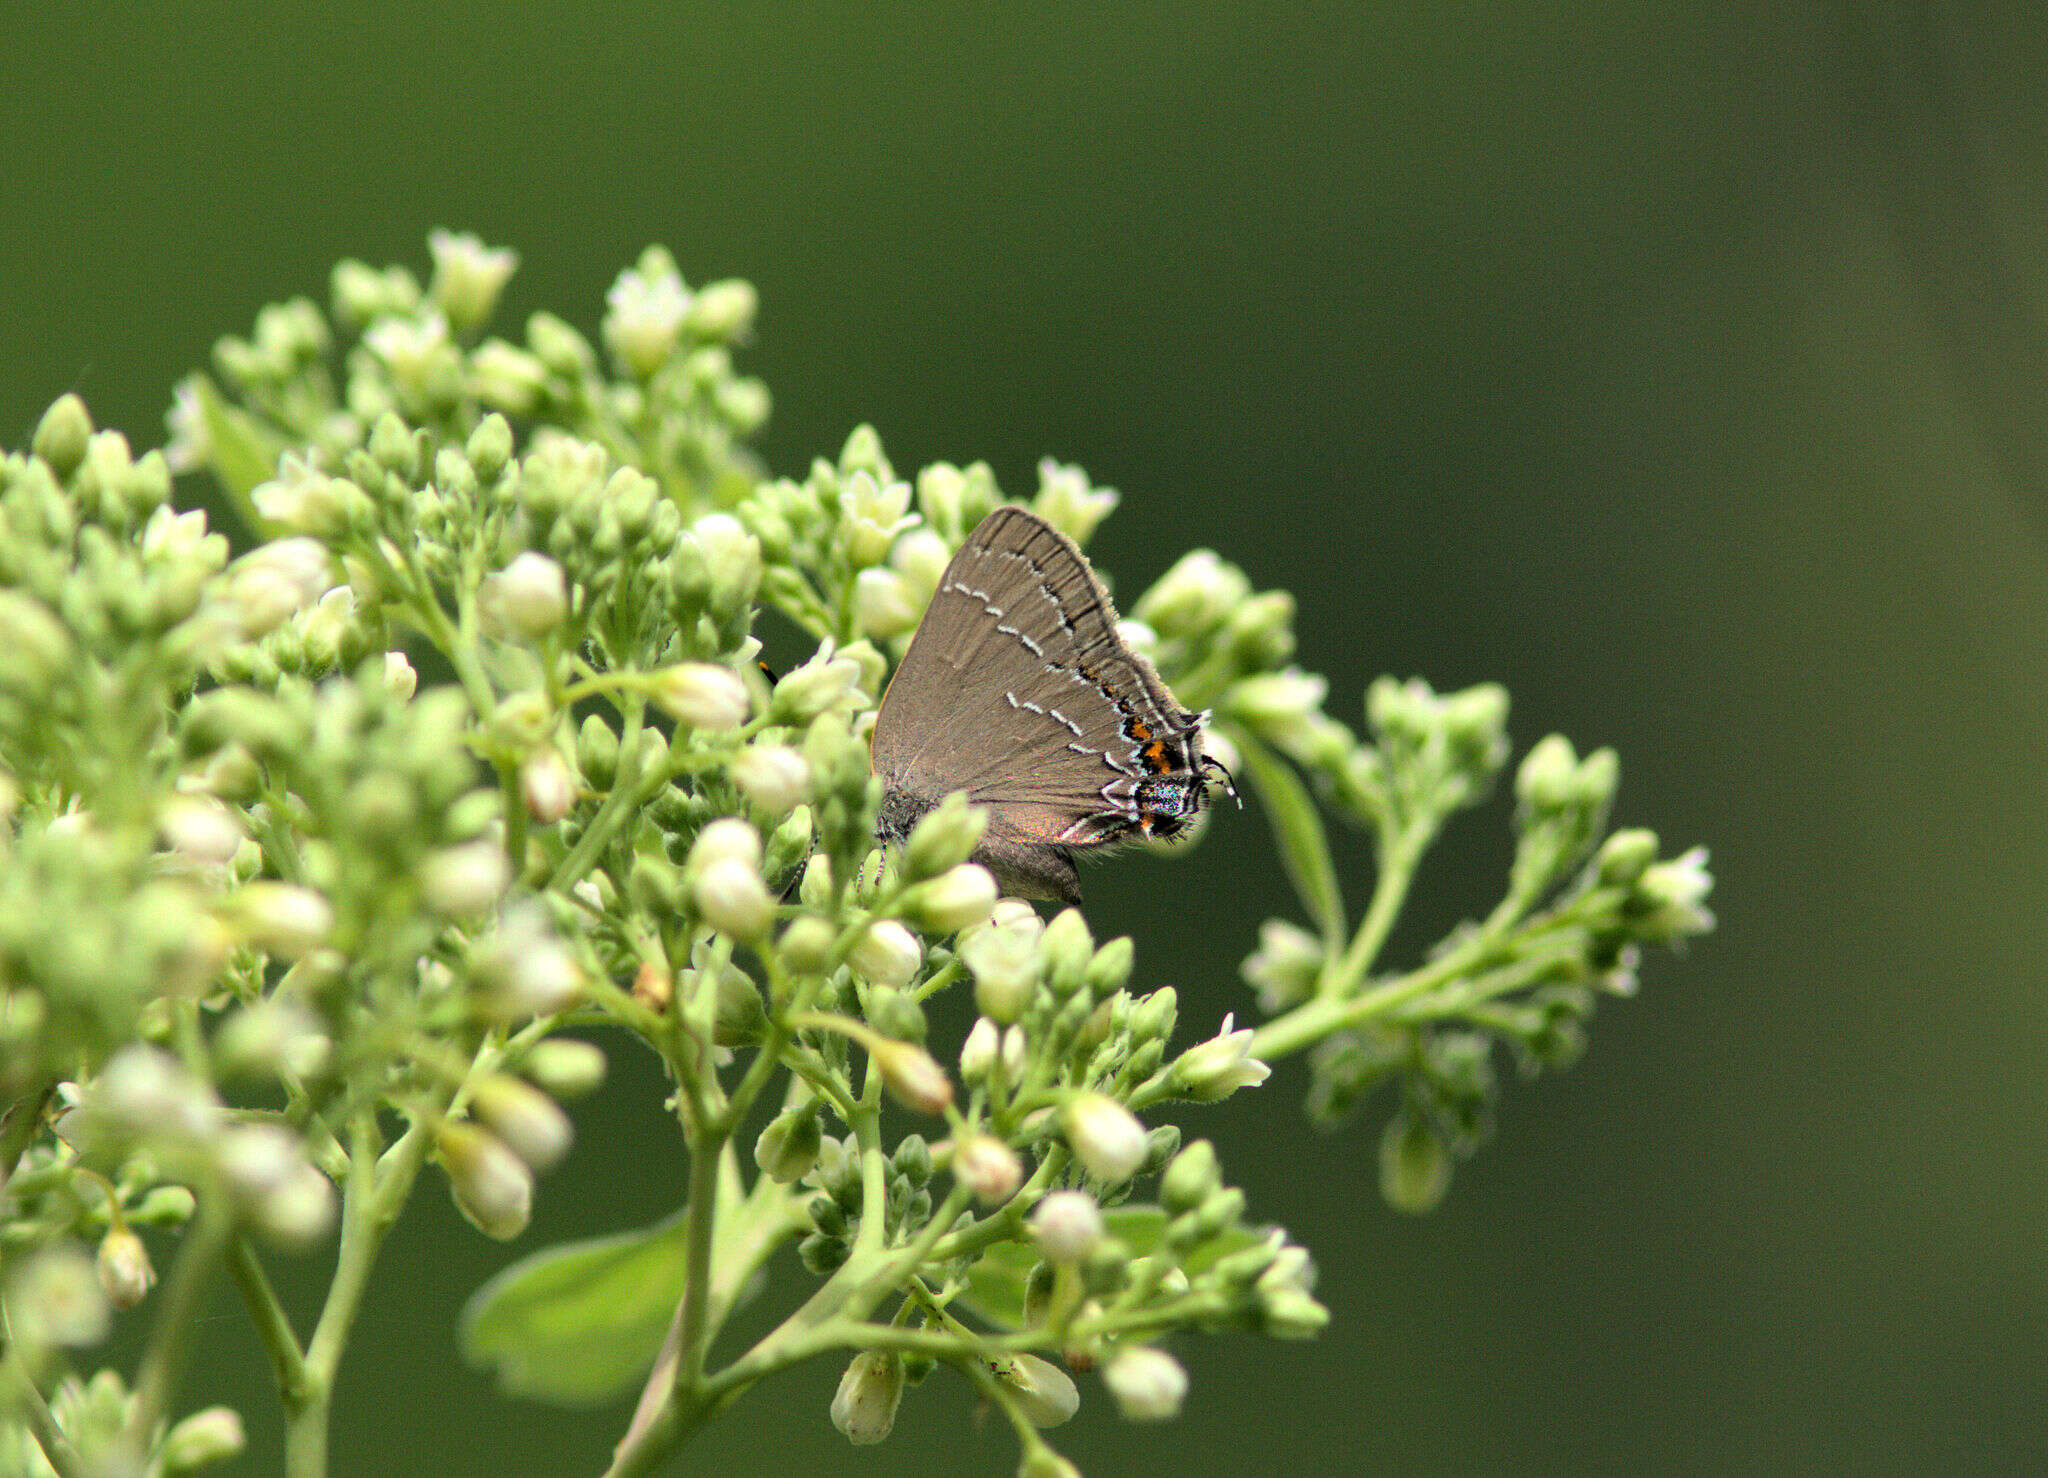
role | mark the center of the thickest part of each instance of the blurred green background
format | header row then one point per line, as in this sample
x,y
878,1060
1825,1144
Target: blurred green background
x,y
1682,366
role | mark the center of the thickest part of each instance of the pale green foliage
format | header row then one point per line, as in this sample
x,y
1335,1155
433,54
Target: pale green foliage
x,y
324,844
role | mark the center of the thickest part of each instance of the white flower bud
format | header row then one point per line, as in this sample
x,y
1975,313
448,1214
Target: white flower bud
x,y
416,351
978,1053
200,829
1003,956
543,978
124,1268
1213,1070
203,1439
1044,1393
491,1185
1275,703
547,785
987,1167
300,1210
703,695
1012,1054
302,499
727,837
884,603
1105,1136
921,556
957,899
887,953
256,1159
1066,1225
773,776
1068,502
730,897
283,919
274,1034
506,377
399,678
143,1091
465,879
912,1076
529,597
530,1123
1148,1384
864,1408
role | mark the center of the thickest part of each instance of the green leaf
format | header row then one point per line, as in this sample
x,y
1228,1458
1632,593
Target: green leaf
x,y
995,1284
241,450
580,1323
1304,849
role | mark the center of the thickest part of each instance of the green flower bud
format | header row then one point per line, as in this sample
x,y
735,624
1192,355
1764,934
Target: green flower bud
x,y
1625,856
896,1013
1153,1016
788,1147
566,1067
164,1206
1670,898
62,435
1285,967
874,512
910,1074
1193,598
805,946
724,309
597,752
829,681
1110,968
282,919
864,1407
739,1018
1068,502
489,447
1066,947
1259,633
1415,1164
1191,1179
558,346
887,953
1544,783
1291,1315
884,603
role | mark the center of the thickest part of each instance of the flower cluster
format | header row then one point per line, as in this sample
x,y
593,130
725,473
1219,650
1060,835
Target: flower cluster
x,y
310,859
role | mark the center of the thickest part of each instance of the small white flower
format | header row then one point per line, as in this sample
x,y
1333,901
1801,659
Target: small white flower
x,y
299,1211
646,319
468,276
1213,1070
1283,969
55,1299
920,557
830,680
189,447
200,829
304,500
409,347
1148,1384
274,582
399,678
203,1439
957,899
1676,892
1069,502
1066,1225
874,513
172,536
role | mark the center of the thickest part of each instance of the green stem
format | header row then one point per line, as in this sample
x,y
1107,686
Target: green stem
x,y
169,1342
701,1227
1398,860
287,1360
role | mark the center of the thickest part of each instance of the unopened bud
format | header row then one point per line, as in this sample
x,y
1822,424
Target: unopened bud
x,y
912,1076
730,896
1044,1393
788,1147
1105,1136
530,1123
887,953
957,899
703,695
528,598
547,785
465,879
283,919
987,1167
1148,1384
978,1053
201,1440
1066,1226
1066,948
566,1067
773,776
491,1185
124,1268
